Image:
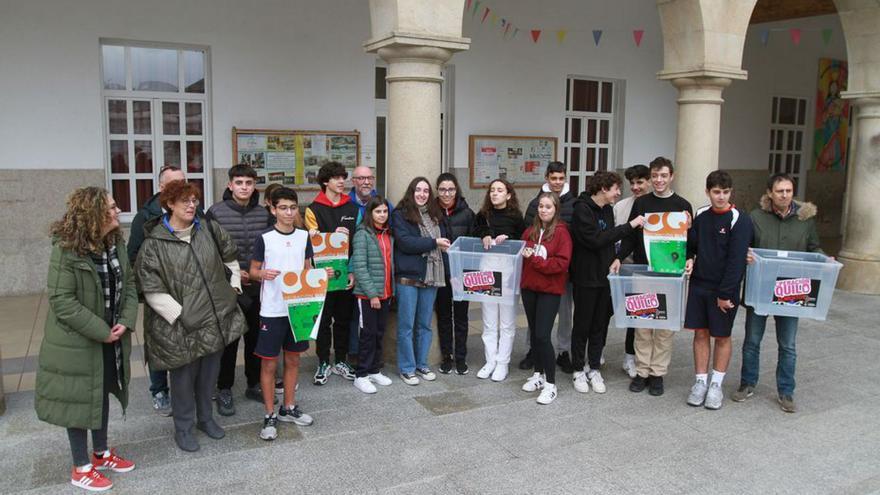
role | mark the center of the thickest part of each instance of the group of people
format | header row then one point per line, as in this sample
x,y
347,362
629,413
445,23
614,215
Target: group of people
x,y
209,278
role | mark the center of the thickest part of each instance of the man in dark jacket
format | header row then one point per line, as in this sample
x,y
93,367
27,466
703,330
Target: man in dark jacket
x,y
333,211
152,209
594,235
242,216
557,182
779,223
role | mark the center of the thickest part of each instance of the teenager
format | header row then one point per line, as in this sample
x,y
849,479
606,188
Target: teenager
x,y
718,241
452,316
594,237
639,178
544,278
557,183
282,248
243,218
498,220
779,222
191,311
420,237
653,347
373,267
87,342
333,211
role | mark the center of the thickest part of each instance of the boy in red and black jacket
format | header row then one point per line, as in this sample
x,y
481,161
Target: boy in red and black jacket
x,y
333,211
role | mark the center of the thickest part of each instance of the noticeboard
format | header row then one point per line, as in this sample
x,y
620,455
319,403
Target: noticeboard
x,y
522,160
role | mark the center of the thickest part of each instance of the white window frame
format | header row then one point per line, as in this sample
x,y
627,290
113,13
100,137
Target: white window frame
x,y
785,130
614,146
158,137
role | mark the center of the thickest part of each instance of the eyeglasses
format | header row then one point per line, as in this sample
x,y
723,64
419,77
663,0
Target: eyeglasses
x,y
286,209
368,178
446,190
194,202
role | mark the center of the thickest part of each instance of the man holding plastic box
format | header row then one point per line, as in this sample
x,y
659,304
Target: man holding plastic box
x,y
653,347
779,223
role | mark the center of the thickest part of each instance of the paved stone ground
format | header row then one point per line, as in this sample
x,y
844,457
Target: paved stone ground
x,y
464,435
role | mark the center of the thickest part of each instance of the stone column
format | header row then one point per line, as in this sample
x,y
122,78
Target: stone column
x,y
702,54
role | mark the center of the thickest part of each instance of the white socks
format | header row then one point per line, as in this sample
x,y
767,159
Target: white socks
x,y
703,377
84,469
717,377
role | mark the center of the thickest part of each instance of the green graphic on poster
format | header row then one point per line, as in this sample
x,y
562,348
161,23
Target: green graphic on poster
x,y
331,251
304,291
666,241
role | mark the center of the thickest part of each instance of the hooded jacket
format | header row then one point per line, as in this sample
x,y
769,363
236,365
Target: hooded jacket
x,y
566,205
795,232
594,236
324,216
151,209
548,274
372,262
193,274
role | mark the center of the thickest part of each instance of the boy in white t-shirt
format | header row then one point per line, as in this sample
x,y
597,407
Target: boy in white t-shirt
x,y
280,249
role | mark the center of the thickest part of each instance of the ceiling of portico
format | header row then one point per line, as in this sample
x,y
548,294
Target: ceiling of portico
x,y
780,10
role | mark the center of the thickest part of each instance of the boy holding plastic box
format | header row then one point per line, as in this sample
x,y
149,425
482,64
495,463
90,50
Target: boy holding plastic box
x,y
779,223
718,241
653,347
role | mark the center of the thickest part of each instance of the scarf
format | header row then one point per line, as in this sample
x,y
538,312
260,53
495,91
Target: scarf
x,y
110,274
435,276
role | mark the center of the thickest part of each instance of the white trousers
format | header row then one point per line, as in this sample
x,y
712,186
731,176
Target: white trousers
x,y
499,329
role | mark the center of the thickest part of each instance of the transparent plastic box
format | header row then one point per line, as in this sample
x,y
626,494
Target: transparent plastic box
x,y
646,299
791,283
482,275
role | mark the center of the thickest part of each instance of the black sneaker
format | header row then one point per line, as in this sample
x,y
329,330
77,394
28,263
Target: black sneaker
x,y
527,363
225,404
655,385
564,362
461,367
446,365
637,384
294,415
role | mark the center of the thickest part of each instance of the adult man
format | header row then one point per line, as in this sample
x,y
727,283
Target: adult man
x,y
639,178
242,216
153,209
779,223
556,183
333,211
653,347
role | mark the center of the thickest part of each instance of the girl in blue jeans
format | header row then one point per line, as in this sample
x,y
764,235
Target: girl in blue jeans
x,y
419,239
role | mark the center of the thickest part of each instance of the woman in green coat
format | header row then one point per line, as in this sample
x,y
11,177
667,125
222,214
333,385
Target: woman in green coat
x,y
85,351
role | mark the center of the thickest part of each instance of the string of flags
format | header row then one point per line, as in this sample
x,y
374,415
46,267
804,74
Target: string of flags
x,y
509,30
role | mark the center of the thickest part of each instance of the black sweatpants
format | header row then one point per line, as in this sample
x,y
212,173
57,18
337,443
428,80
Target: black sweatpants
x,y
226,378
336,314
452,323
592,312
78,437
371,328
541,309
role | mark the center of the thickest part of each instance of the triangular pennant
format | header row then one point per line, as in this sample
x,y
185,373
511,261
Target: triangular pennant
x,y
560,35
476,8
467,6
493,19
795,34
826,35
765,37
506,29
485,14
637,36
515,32
536,33
503,22
597,35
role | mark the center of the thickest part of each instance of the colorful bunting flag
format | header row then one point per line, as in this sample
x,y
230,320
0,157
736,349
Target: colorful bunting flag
x,y
493,19
637,36
515,32
826,35
476,8
485,14
795,34
506,29
536,33
560,35
467,6
765,37
597,35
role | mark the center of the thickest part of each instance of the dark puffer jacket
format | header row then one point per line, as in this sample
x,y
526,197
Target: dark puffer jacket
x,y
566,205
460,221
194,275
242,223
410,247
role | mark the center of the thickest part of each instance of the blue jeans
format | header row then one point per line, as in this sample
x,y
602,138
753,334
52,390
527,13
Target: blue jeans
x,y
415,306
158,381
786,333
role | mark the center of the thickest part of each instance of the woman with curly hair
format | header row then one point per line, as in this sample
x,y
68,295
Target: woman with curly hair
x,y
191,312
92,311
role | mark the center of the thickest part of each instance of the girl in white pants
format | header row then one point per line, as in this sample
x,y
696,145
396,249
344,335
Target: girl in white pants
x,y
499,219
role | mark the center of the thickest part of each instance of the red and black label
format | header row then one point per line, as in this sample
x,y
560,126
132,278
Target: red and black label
x,y
487,283
802,292
646,306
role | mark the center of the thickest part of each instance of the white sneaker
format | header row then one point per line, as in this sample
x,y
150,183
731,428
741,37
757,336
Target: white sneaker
x,y
698,393
714,397
629,365
596,381
379,379
548,394
534,383
364,384
409,378
500,373
486,371
581,384
426,374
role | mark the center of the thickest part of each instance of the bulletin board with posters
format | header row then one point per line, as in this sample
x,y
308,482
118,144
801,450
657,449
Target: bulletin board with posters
x,y
522,160
292,158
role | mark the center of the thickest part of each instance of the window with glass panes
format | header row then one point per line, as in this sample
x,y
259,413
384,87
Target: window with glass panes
x,y
590,118
155,114
787,137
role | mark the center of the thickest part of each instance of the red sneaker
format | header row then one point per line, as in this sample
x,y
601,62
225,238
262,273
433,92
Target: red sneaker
x,y
91,480
112,462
